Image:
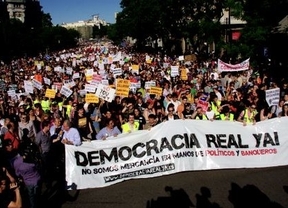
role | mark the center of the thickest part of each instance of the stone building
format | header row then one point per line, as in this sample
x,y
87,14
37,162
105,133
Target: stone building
x,y
27,11
85,28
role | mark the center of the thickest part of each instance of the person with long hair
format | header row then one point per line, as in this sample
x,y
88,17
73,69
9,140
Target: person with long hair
x,y
138,117
83,123
284,111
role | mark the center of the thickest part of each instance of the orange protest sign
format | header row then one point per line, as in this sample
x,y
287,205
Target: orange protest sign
x,y
135,67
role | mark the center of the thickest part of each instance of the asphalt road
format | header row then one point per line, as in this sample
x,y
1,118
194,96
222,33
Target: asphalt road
x,y
237,188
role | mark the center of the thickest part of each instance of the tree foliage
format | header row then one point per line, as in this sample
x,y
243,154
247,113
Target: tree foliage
x,y
171,20
198,23
17,39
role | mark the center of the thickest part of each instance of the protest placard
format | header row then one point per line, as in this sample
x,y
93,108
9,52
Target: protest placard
x,y
50,93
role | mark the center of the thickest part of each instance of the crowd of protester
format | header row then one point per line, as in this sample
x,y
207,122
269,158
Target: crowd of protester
x,y
34,128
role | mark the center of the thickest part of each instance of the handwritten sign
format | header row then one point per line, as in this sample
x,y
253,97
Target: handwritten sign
x,y
65,91
122,87
37,84
135,69
105,92
184,74
47,81
50,93
91,98
28,86
150,84
90,88
156,90
272,96
174,71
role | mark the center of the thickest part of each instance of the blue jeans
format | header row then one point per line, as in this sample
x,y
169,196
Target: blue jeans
x,y
33,194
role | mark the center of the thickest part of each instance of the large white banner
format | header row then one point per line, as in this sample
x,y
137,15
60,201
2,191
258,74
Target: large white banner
x,y
176,146
225,67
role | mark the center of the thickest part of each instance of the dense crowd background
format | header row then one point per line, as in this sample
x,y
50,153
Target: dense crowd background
x,y
34,128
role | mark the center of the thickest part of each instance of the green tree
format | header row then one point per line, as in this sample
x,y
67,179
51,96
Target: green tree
x,y
46,20
100,31
261,17
170,20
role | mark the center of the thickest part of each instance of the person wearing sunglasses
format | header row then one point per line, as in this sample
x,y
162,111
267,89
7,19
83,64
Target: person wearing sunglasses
x,y
171,115
247,116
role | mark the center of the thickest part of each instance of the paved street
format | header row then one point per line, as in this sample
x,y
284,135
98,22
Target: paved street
x,y
253,187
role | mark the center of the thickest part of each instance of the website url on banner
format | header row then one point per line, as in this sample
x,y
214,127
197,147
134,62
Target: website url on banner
x,y
147,171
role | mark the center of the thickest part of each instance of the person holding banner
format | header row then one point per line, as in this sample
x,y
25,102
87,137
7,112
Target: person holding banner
x,y
108,131
171,115
266,113
199,114
131,125
247,116
139,118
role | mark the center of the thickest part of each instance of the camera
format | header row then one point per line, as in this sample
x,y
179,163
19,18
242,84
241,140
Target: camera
x,y
30,153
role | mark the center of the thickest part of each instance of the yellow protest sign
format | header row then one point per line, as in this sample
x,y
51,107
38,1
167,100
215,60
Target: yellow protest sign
x,y
88,78
184,74
38,62
50,93
191,57
156,91
149,61
135,67
91,98
122,87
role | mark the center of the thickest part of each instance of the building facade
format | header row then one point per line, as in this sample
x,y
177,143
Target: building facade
x,y
26,11
85,28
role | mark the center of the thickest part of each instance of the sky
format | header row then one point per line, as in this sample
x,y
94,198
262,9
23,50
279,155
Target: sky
x,y
67,11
